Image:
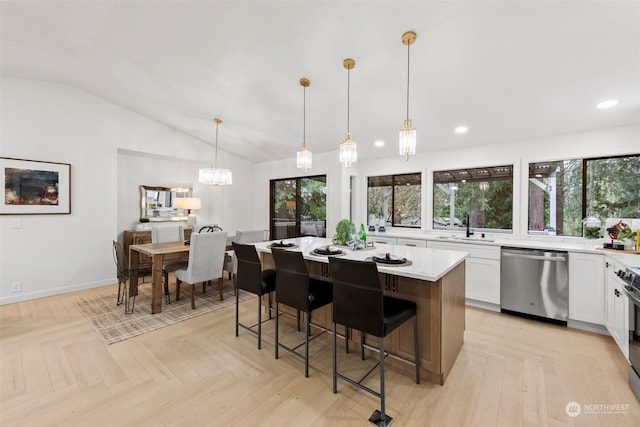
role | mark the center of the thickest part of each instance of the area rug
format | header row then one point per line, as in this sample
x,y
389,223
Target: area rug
x,y
113,325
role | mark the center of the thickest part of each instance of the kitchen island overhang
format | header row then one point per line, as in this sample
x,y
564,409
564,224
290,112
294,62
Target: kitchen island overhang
x,y
434,280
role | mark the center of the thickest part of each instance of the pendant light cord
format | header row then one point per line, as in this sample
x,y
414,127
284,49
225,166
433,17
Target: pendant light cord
x,y
348,94
215,164
304,115
408,47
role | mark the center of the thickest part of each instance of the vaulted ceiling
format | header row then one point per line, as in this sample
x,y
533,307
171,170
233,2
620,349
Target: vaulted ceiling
x,y
508,71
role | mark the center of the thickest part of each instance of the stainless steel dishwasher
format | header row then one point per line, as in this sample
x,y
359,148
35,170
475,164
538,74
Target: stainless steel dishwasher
x,y
535,283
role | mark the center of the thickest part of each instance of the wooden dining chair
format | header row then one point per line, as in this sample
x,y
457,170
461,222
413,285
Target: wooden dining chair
x,y
206,256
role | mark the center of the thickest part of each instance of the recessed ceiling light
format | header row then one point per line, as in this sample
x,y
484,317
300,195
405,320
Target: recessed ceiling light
x,y
607,104
379,143
462,129
538,175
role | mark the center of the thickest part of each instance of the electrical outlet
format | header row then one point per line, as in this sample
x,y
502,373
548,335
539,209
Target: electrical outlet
x,y
16,223
16,286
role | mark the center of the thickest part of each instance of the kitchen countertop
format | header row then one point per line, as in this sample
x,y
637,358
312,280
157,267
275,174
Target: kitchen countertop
x,y
572,244
427,264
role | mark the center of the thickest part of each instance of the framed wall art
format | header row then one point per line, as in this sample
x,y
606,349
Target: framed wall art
x,y
33,187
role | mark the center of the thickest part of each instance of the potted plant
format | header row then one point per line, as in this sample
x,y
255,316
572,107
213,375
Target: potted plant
x,y
344,230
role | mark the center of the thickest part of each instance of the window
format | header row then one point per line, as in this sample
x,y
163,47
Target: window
x,y
298,207
484,194
563,192
396,199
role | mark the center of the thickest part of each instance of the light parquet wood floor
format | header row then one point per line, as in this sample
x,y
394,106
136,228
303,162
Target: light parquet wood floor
x,y
55,371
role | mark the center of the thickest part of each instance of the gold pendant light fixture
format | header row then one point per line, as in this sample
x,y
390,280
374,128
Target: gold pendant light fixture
x,y
407,140
215,176
304,159
348,148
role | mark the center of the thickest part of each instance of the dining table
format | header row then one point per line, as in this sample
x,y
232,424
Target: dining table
x,y
159,252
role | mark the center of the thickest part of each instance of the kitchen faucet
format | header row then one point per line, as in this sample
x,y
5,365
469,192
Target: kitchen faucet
x,y
467,220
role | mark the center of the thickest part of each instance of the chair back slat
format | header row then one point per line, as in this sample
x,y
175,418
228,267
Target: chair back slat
x,y
292,279
357,295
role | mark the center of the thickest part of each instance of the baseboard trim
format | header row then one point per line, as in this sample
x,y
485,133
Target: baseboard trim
x,y
481,304
589,327
26,296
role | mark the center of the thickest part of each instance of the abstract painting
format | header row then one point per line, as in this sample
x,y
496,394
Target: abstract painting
x,y
35,187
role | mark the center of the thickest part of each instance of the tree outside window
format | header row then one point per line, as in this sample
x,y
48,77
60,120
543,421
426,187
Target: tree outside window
x,y
484,194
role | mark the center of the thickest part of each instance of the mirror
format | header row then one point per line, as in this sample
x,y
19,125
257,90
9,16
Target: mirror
x,y
156,203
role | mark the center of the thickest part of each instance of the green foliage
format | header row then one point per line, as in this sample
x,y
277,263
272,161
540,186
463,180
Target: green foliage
x,y
491,207
344,230
406,202
626,233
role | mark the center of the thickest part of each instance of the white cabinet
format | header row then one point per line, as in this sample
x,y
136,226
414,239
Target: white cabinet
x,y
482,273
420,243
617,308
586,288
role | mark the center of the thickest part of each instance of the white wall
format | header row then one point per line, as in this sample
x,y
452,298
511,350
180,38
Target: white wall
x,y
110,150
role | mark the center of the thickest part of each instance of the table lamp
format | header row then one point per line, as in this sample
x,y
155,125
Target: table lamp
x,y
188,204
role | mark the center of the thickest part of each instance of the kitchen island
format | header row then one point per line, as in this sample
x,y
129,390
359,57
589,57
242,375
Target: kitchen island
x,y
435,280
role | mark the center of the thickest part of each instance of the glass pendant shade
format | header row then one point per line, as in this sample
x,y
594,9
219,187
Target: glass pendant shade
x,y
304,159
215,176
348,151
407,140
304,156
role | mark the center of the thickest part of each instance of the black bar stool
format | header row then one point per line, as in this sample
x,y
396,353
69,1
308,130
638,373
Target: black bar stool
x,y
296,289
252,278
359,303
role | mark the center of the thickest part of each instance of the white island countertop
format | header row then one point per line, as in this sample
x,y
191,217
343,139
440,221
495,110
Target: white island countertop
x,y
427,264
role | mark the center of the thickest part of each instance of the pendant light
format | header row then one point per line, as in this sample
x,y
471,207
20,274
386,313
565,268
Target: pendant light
x,y
407,140
304,159
215,176
348,148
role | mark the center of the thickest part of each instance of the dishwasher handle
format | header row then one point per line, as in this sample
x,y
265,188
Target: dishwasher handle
x,y
536,257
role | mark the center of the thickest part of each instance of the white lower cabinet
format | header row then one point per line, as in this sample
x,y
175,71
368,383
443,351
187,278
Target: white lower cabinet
x,y
586,288
482,272
617,308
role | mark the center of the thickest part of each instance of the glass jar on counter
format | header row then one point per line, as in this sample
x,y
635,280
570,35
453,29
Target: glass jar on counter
x,y
591,227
